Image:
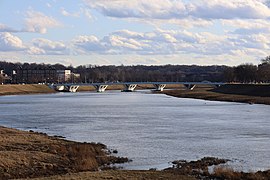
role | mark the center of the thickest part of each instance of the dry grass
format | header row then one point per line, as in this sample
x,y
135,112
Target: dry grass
x,y
229,173
25,154
120,175
14,89
209,93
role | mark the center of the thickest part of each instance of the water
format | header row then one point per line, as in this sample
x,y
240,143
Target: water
x,y
150,129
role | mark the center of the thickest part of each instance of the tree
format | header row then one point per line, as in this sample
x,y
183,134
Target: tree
x,y
1,79
246,73
266,60
264,70
229,74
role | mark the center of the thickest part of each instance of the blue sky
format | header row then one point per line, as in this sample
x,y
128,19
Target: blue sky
x,y
128,32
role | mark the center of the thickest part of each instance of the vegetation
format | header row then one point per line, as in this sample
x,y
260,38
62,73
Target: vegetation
x,y
14,89
1,79
31,154
244,73
245,93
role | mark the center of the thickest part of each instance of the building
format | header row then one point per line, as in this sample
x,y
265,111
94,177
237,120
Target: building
x,y
63,76
4,78
35,75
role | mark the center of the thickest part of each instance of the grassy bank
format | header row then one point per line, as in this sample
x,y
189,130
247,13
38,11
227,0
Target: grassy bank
x,y
15,89
37,155
30,154
259,94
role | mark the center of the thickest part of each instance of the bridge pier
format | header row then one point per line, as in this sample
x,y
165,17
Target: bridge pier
x,y
190,86
159,87
129,87
101,88
59,88
71,88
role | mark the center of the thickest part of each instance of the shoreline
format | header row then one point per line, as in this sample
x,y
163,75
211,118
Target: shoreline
x,y
36,155
33,154
19,89
249,94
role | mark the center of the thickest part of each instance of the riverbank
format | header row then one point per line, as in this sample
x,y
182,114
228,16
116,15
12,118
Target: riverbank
x,y
31,154
245,93
19,89
39,156
252,94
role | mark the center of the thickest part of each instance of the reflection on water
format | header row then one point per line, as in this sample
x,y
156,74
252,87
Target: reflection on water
x,y
151,129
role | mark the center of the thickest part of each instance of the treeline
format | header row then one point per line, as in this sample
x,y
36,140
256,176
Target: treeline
x,y
244,73
249,73
142,73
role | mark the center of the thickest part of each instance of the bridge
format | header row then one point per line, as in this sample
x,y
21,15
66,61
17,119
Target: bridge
x,y
130,86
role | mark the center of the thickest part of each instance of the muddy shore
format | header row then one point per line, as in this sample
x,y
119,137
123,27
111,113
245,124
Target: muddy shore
x,y
245,93
39,156
31,154
252,94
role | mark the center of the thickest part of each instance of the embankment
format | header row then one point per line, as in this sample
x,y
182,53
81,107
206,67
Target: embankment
x,y
16,89
245,93
30,154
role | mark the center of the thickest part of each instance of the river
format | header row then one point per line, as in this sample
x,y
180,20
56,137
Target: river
x,y
150,129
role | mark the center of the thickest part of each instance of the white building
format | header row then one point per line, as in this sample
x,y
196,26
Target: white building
x,y
63,75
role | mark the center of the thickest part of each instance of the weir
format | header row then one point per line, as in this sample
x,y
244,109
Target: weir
x,y
159,87
129,87
190,86
101,88
72,88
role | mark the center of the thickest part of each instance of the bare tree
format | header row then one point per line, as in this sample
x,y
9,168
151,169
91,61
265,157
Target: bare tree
x,y
1,79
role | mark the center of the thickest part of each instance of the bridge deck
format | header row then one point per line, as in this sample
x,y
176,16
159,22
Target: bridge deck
x,y
124,83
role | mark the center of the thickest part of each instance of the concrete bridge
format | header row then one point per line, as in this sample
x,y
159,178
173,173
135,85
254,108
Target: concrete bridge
x,y
130,86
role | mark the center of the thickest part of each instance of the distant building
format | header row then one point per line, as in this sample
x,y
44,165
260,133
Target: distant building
x,y
63,75
36,75
4,78
75,77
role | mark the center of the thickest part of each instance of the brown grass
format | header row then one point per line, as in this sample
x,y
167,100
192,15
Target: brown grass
x,y
14,89
219,94
121,175
229,173
25,154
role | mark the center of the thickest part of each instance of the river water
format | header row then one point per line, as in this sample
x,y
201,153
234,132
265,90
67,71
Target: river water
x,y
150,129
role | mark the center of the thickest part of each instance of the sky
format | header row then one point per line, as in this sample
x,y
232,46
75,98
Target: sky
x,y
132,32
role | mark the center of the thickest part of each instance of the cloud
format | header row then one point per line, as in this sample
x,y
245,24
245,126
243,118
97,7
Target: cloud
x,y
89,44
66,13
235,9
38,22
172,9
48,47
9,42
5,28
172,42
